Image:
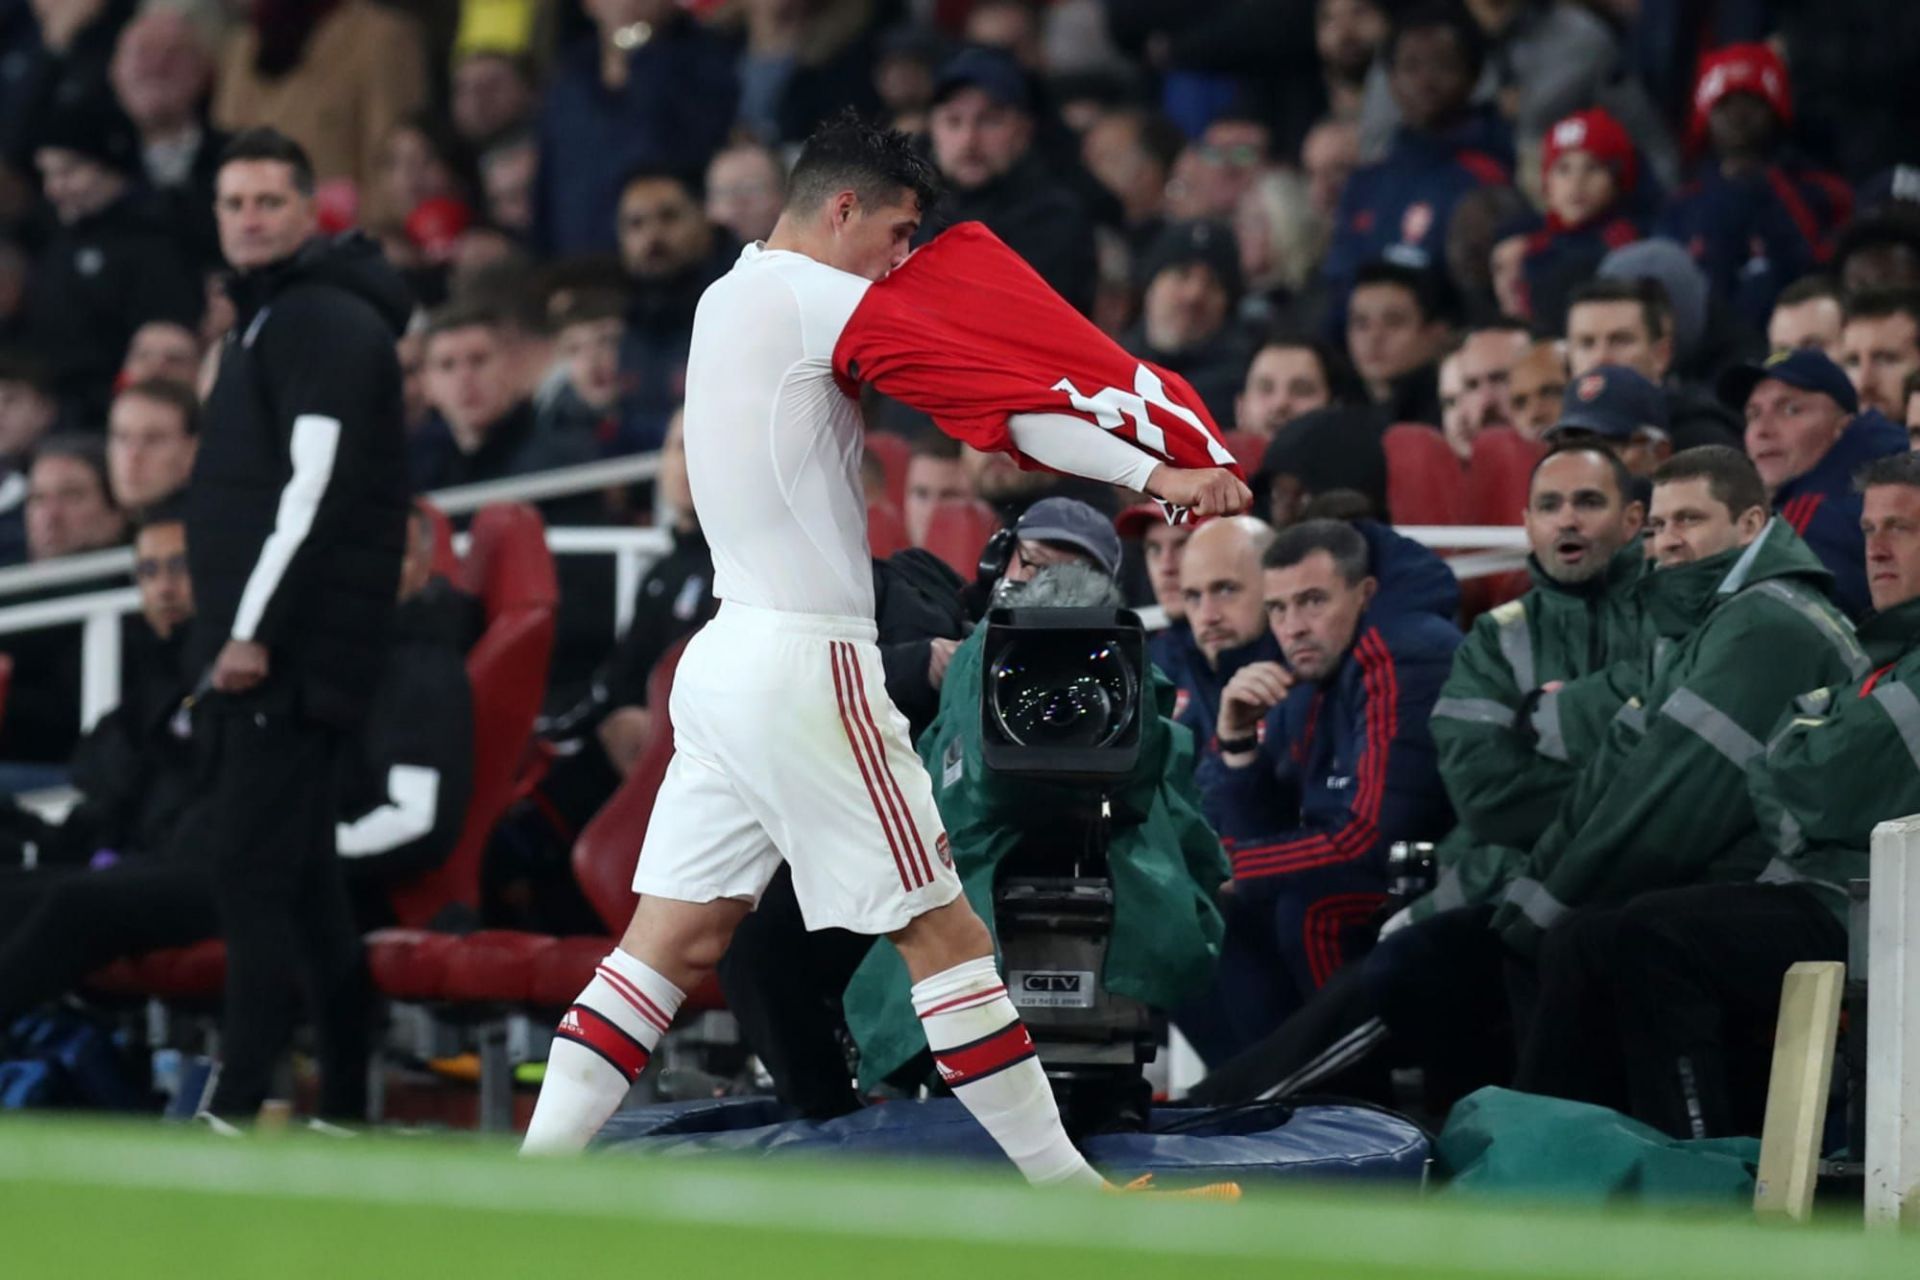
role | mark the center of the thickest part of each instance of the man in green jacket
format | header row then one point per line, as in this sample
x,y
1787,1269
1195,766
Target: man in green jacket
x,y
1687,981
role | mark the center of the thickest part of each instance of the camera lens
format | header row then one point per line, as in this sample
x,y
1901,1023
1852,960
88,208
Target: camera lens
x,y
1064,691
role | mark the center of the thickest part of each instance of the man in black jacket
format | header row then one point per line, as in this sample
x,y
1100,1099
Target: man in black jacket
x,y
296,526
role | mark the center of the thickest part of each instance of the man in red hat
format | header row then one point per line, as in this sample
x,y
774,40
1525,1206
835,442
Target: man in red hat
x,y
1754,219
1588,173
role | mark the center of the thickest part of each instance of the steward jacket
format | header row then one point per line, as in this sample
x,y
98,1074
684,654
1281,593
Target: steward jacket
x,y
1847,759
1824,509
1346,765
1665,802
297,510
1509,748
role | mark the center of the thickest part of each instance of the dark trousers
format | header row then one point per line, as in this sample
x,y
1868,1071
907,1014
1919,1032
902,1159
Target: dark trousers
x,y
283,907
783,985
1668,1004
58,926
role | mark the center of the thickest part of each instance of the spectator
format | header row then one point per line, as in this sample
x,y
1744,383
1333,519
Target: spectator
x,y
1490,221
580,399
1163,549
1808,313
153,432
1001,484
1534,388
1674,992
507,172
801,64
1708,335
905,66
66,65
671,253
1752,219
1322,762
1132,153
1913,410
1192,283
982,129
1444,147
1394,336
651,89
1214,172
1880,348
1881,251
334,77
1348,35
746,187
1807,436
1487,357
1288,377
1631,323
1328,156
1226,619
112,265
69,506
1621,412
162,349
493,96
1588,172
28,411
1321,452
422,159
1281,243
301,449
1507,261
1742,604
471,384
162,72
1010,26
934,475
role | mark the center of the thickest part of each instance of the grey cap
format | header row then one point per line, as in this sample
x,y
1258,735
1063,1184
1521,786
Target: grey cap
x,y
1073,524
1686,285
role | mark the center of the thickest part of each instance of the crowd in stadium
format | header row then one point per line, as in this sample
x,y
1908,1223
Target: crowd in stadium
x,y
1640,275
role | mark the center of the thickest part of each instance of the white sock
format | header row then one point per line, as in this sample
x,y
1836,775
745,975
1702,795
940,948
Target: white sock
x,y
601,1045
987,1058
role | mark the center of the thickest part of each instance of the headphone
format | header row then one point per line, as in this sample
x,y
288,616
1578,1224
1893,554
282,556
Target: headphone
x,y
996,555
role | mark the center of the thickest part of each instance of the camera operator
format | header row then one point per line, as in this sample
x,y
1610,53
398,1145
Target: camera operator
x,y
1324,759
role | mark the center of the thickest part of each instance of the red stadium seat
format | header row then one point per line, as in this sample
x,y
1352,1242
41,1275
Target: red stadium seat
x,y
886,531
958,531
446,562
509,568
1498,476
893,453
1424,480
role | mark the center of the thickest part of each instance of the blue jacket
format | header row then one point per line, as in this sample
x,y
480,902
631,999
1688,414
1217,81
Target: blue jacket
x,y
673,114
1824,510
1197,702
1559,261
1347,765
1755,235
1399,208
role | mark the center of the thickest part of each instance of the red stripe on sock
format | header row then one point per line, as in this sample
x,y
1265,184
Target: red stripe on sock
x,y
962,1002
964,1064
649,1012
856,739
585,1027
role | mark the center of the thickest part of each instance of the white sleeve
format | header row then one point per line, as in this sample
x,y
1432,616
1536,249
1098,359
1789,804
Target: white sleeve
x,y
1079,448
413,797
316,439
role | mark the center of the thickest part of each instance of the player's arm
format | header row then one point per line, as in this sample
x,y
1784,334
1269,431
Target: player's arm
x,y
1077,447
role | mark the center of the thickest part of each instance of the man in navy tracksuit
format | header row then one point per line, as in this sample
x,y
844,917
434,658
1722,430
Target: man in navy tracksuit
x,y
1807,436
1399,208
1226,622
1753,221
1323,760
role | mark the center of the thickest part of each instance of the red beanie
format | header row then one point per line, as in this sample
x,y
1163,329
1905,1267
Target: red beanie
x,y
437,222
1599,135
1739,68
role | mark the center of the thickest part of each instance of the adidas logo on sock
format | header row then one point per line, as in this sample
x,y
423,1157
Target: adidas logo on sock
x,y
570,1023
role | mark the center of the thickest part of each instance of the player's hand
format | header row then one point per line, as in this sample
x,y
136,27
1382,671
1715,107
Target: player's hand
x,y
939,654
1210,491
242,664
1255,689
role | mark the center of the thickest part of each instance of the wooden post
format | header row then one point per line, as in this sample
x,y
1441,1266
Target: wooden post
x,y
1893,1027
1803,1049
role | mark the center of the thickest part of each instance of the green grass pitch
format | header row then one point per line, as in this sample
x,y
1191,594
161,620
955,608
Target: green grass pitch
x,y
86,1199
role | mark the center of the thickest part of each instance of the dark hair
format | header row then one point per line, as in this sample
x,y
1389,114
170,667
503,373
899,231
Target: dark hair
x,y
1335,537
17,365
1729,473
1339,504
1806,289
264,142
1502,324
935,444
694,184
171,509
448,147
1446,15
584,306
1425,286
1343,384
462,315
848,152
1656,308
1878,304
172,394
90,449
1587,442
1897,468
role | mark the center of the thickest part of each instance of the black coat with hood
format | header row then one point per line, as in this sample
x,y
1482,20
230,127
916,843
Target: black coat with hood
x,y
297,509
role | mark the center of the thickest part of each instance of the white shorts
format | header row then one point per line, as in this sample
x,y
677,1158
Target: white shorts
x,y
786,746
